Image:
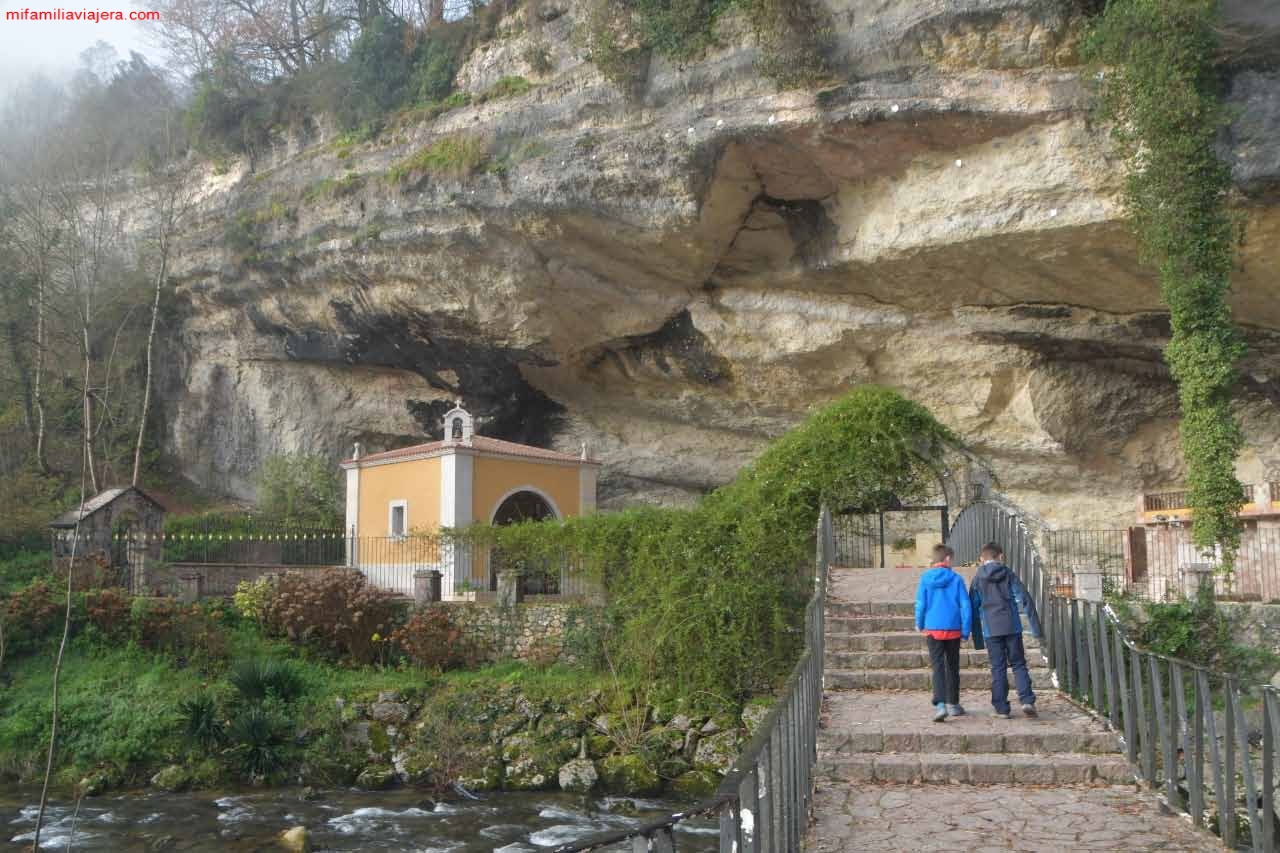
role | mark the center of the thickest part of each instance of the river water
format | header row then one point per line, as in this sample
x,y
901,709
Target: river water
x,y
337,820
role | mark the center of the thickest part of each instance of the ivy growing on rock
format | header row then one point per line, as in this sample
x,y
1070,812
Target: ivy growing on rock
x,y
705,602
1163,94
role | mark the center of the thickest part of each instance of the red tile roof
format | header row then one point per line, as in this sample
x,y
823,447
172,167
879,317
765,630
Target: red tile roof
x,y
481,443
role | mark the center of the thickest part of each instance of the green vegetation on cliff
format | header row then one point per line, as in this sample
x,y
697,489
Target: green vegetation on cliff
x,y
1163,92
706,601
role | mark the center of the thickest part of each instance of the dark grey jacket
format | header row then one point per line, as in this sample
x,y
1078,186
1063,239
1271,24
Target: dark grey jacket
x,y
996,595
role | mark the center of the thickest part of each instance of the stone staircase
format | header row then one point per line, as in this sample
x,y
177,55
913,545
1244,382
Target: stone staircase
x,y
878,718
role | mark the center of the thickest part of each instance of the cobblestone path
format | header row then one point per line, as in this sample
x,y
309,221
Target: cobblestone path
x,y
889,778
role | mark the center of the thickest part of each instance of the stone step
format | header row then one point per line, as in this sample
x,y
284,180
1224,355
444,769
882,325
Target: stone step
x,y
895,641
978,769
911,659
870,608
952,737
869,624
917,679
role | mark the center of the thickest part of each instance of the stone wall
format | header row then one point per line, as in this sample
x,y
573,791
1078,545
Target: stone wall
x,y
536,633
216,579
1255,624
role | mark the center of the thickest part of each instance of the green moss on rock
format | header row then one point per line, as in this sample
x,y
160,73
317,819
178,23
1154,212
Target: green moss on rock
x,y
629,775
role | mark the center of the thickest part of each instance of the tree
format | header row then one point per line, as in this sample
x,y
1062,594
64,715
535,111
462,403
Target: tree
x,y
171,195
303,490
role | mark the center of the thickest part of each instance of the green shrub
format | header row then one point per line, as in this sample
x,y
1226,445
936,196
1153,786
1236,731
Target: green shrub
x,y
538,57
240,234
259,742
186,632
22,568
505,87
432,640
251,597
258,678
1196,630
108,611
335,612
200,722
707,601
380,68
450,156
32,614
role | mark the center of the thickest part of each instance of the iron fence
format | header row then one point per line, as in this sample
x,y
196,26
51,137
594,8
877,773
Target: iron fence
x,y
1181,499
468,571
763,803
1106,550
857,540
1183,727
1148,562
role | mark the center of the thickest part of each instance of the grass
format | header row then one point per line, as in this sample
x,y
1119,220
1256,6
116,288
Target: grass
x,y
506,87
448,157
117,709
121,705
332,188
20,568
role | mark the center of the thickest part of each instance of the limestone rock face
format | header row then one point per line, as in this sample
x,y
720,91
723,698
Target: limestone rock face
x,y
678,274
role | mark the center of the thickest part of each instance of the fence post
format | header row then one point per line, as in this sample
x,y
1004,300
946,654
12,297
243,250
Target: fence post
x,y
510,589
426,586
1196,576
191,588
1087,582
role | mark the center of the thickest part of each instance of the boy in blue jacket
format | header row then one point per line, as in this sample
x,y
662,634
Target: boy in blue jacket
x,y
997,596
944,614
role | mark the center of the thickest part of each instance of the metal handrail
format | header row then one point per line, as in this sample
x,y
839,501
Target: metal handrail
x,y
763,801
1161,706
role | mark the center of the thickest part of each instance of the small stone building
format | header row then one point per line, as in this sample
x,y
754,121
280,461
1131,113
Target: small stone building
x,y
460,479
117,526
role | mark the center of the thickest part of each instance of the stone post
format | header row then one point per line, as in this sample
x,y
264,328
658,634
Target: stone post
x,y
426,586
190,587
1195,576
510,590
1088,583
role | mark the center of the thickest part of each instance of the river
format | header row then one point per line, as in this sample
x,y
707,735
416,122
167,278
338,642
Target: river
x,y
336,819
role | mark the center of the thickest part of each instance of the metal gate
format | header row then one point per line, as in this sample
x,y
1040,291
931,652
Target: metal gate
x,y
880,539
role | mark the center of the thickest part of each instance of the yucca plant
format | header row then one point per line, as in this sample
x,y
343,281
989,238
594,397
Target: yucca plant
x,y
199,716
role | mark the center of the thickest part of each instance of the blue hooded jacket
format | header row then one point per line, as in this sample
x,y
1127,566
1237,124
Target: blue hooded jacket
x,y
942,604
997,596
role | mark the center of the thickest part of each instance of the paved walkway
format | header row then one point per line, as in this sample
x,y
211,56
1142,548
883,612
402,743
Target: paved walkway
x,y
891,779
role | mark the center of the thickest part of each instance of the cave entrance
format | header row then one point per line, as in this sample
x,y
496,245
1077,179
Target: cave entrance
x,y
541,577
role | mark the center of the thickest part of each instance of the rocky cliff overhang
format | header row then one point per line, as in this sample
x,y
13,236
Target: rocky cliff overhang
x,y
678,276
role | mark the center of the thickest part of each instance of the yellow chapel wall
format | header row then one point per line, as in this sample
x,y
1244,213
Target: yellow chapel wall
x,y
494,478
417,482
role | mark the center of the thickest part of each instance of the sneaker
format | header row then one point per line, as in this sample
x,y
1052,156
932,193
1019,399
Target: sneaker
x,y
955,710
1003,715
939,713
1029,711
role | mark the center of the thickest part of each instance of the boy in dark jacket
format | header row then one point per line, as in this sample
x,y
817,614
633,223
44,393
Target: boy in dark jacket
x,y
944,614
997,595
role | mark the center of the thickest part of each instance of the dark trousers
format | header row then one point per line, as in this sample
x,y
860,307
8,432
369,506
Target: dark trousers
x,y
945,657
1005,653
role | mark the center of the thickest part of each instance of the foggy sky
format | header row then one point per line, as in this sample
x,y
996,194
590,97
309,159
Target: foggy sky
x,y
53,47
